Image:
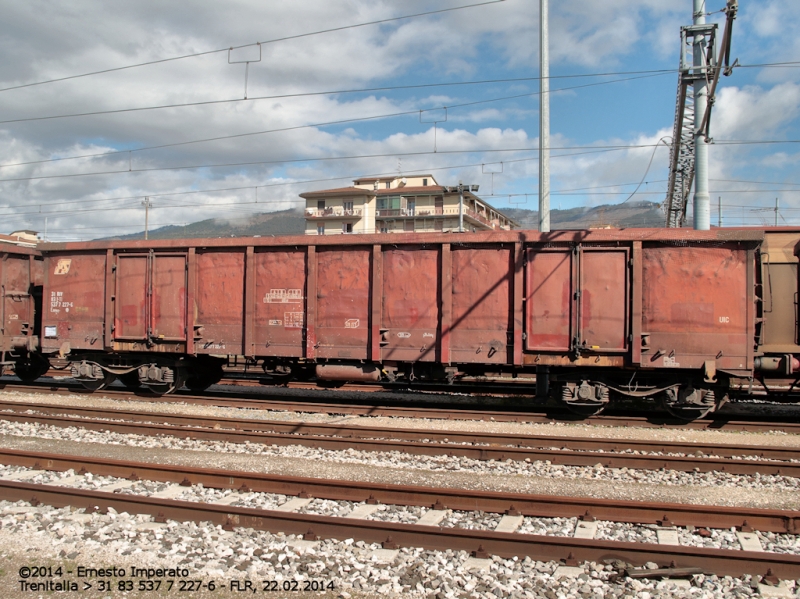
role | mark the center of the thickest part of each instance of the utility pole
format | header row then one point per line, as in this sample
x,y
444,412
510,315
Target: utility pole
x,y
719,211
776,212
146,203
544,118
701,197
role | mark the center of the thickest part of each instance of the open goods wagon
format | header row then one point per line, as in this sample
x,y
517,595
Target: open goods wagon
x,y
673,314
20,318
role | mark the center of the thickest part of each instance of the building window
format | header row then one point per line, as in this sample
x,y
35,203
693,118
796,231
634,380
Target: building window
x,y
388,185
424,182
320,204
347,227
321,229
348,206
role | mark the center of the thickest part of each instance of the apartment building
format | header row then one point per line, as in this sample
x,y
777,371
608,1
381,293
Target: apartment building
x,y
413,203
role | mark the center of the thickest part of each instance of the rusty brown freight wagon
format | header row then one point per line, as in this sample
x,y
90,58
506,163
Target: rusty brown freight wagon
x,y
640,312
20,284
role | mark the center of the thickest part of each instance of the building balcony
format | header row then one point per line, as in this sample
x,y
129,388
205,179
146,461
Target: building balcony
x,y
334,212
428,212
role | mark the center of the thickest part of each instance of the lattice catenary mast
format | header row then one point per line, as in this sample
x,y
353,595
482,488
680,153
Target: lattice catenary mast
x,y
690,134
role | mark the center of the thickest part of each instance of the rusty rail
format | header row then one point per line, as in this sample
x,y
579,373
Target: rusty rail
x,y
496,440
478,452
536,414
544,506
719,561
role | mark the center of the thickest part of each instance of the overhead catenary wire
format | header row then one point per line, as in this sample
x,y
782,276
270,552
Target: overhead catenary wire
x,y
316,159
250,45
236,100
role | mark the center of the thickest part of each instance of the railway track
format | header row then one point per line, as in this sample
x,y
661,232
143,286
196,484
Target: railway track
x,y
483,543
569,451
438,412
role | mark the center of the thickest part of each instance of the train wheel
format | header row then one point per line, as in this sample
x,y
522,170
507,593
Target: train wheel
x,y
585,399
97,384
130,380
203,376
688,403
167,388
31,368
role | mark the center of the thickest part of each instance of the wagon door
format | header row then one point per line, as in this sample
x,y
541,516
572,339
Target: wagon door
x,y
150,301
603,300
280,306
16,283
410,306
577,299
343,302
131,301
481,305
168,297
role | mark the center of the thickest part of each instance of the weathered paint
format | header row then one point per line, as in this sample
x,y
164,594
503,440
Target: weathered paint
x,y
687,323
410,298
343,302
219,302
481,304
280,303
74,301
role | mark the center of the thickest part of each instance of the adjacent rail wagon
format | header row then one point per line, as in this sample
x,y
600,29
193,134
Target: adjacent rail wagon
x,y
20,295
682,316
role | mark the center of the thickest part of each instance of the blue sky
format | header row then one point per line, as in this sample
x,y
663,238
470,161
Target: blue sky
x,y
498,42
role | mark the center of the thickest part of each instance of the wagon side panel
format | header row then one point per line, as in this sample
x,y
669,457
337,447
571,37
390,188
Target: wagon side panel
x,y
219,302
694,306
410,304
73,302
280,303
482,311
343,302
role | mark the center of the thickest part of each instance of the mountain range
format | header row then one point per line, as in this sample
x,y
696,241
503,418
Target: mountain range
x,y
292,222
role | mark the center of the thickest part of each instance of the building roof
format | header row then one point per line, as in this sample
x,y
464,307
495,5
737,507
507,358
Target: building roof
x,y
340,191
391,177
409,190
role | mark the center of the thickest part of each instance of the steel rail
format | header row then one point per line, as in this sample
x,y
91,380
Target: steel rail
x,y
452,412
543,506
407,434
722,562
479,452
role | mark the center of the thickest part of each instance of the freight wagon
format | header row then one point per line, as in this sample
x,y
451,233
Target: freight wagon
x,y
681,316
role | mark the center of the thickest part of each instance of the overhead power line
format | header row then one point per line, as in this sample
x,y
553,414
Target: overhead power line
x,y
254,98
319,159
272,41
31,204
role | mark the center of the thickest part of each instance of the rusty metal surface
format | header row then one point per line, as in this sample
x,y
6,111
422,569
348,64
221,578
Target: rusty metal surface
x,y
74,301
717,421
550,310
496,440
218,306
544,506
17,317
343,302
410,301
481,291
603,299
168,309
280,302
707,319
525,236
718,561
378,442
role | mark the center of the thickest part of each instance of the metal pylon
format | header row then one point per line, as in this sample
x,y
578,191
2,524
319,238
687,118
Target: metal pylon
x,y
681,159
